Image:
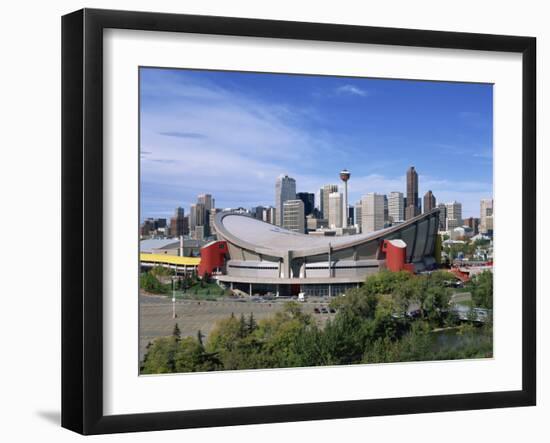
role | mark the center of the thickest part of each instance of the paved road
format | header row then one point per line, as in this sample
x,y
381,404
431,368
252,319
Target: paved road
x,y
156,315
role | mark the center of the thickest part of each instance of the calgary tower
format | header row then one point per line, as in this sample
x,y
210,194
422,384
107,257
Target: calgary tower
x,y
344,176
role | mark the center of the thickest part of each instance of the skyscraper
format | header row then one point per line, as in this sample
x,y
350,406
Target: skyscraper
x,y
192,217
473,223
285,189
199,232
199,216
413,204
202,215
335,210
269,215
186,225
146,227
324,192
206,200
293,215
372,215
454,215
386,211
156,226
396,207
429,201
257,212
309,201
176,223
205,203
486,216
344,176
358,215
442,216
313,223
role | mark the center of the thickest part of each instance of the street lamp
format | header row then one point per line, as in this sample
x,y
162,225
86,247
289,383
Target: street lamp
x,y
173,296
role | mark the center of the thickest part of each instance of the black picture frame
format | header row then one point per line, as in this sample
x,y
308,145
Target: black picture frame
x,y
82,215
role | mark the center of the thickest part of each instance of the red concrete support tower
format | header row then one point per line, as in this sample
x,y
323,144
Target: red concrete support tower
x,y
212,257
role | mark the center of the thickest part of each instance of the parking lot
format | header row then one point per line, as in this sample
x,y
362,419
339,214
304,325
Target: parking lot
x,y
193,315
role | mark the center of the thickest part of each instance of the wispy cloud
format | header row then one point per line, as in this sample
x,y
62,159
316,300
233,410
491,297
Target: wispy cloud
x,y
486,154
199,137
164,160
233,145
180,134
351,90
217,119
476,152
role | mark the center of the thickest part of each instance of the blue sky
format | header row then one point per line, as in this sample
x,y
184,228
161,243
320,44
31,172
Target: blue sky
x,y
231,134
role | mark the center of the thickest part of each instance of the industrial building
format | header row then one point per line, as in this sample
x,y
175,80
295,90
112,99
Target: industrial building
x,y
171,246
179,265
258,257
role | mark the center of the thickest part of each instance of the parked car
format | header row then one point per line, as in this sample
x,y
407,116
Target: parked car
x,y
316,310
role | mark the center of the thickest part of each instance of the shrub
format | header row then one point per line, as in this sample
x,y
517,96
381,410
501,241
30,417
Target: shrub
x,y
150,283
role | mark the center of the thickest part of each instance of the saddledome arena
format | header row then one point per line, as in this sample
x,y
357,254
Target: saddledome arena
x,y
262,258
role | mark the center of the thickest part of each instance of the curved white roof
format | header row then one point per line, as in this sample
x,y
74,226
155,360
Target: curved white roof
x,y
270,236
265,238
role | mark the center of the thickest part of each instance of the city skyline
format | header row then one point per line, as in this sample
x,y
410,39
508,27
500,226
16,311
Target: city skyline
x,y
289,125
285,191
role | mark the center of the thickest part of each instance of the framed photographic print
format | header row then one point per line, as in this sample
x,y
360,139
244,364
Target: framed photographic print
x,y
269,221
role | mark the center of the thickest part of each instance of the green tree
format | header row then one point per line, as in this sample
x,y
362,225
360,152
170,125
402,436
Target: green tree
x,y
159,271
344,338
172,354
405,294
386,323
187,282
385,282
223,339
435,304
357,300
160,356
243,328
176,332
251,325
150,283
482,293
309,347
190,356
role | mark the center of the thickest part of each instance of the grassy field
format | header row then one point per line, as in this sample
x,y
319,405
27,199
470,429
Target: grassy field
x,y
206,291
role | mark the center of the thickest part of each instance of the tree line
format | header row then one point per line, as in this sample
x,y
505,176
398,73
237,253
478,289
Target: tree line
x,y
152,282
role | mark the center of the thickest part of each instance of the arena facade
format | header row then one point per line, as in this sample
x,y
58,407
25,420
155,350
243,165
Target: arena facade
x,y
263,258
